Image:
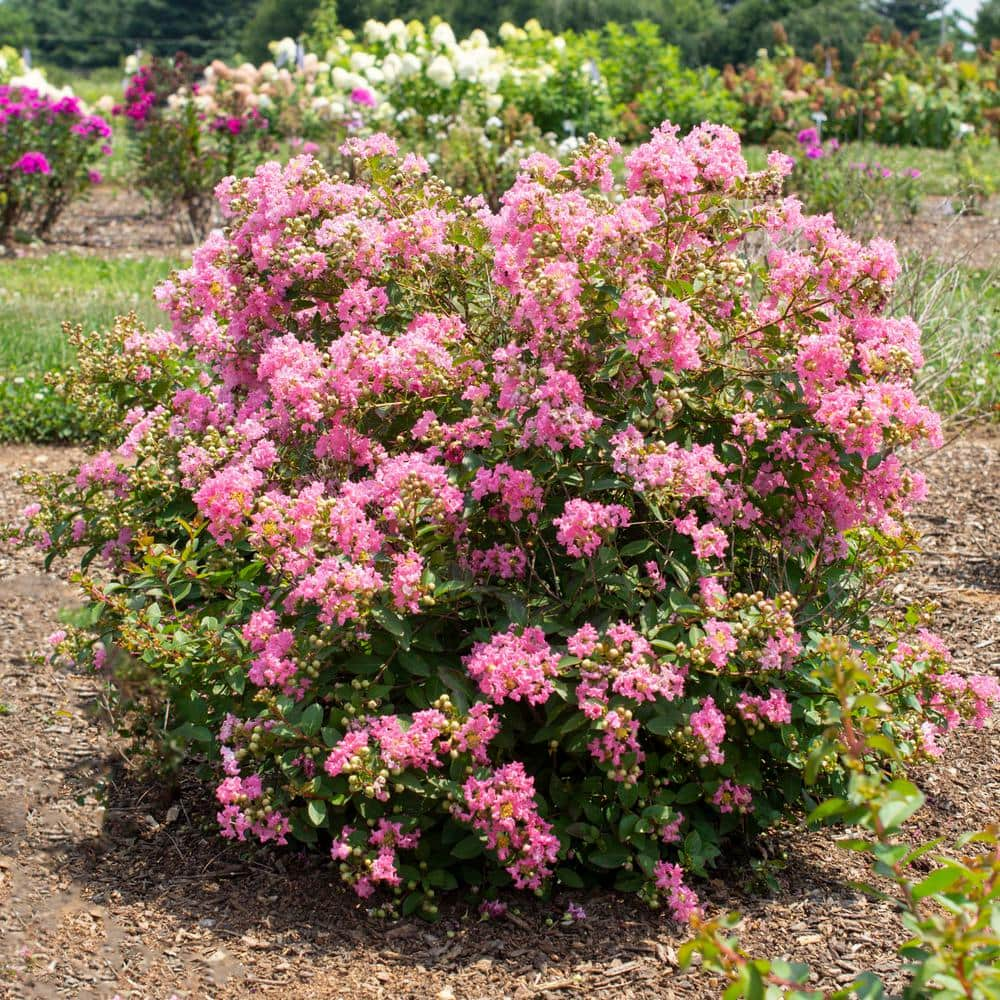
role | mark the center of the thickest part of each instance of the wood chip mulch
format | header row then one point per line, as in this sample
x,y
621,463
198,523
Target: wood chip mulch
x,y
135,895
116,221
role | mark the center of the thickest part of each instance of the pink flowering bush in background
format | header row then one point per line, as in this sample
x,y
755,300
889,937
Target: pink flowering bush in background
x,y
183,141
48,148
867,198
507,548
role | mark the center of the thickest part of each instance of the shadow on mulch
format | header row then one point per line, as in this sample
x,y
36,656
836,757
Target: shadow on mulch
x,y
276,899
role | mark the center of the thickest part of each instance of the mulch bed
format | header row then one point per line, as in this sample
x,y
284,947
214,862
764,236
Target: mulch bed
x,y
120,222
136,895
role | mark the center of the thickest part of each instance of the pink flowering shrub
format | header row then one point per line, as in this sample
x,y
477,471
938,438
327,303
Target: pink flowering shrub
x,y
182,143
507,547
48,147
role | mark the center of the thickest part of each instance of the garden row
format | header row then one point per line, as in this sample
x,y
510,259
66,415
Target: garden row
x,y
474,110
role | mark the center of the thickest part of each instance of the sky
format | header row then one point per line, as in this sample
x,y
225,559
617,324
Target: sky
x,y
966,7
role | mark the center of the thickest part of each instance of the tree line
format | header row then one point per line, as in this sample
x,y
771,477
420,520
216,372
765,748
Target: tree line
x,y
93,33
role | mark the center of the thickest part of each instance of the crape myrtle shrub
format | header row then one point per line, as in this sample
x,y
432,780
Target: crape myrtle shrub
x,y
183,142
510,547
49,147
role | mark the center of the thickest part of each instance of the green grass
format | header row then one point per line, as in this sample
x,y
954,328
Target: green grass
x,y
958,311
36,296
89,85
938,170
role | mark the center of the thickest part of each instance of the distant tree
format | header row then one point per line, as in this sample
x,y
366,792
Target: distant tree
x,y
684,23
71,33
842,24
17,27
913,15
202,30
749,26
988,22
275,19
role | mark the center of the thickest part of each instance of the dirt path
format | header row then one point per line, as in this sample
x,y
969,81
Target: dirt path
x,y
117,221
139,897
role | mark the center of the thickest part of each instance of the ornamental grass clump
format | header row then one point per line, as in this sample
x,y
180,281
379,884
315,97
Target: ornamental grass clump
x,y
510,547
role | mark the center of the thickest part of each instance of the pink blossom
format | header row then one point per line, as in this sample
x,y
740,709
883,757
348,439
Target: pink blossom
x,y
585,526
515,664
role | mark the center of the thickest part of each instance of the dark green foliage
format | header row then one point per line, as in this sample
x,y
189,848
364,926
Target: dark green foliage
x,y
749,25
912,15
275,19
988,22
82,33
87,33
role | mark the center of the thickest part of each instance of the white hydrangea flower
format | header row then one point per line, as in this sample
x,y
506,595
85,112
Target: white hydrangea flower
x,y
443,37
283,50
392,68
360,61
490,79
441,72
410,65
396,30
375,31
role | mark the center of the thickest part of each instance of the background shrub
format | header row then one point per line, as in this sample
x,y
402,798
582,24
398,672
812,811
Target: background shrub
x,y
49,147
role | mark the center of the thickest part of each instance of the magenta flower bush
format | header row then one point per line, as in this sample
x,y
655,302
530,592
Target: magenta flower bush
x,y
183,142
48,146
511,548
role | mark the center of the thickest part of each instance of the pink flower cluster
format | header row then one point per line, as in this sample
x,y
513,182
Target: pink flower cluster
x,y
502,808
683,902
32,163
731,797
584,526
379,858
515,664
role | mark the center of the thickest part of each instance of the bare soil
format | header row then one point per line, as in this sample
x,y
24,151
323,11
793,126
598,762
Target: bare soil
x,y
120,222
134,894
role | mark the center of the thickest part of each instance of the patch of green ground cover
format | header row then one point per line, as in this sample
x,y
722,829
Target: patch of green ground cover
x,y
90,85
958,311
36,296
938,168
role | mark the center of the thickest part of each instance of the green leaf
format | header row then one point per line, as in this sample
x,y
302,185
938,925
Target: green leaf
x,y
827,809
312,719
468,847
661,725
316,811
569,878
394,625
412,903
442,879
868,986
191,733
414,664
688,793
614,857
940,880
636,548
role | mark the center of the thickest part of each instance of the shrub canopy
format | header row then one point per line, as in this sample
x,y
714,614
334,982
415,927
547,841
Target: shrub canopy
x,y
449,533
